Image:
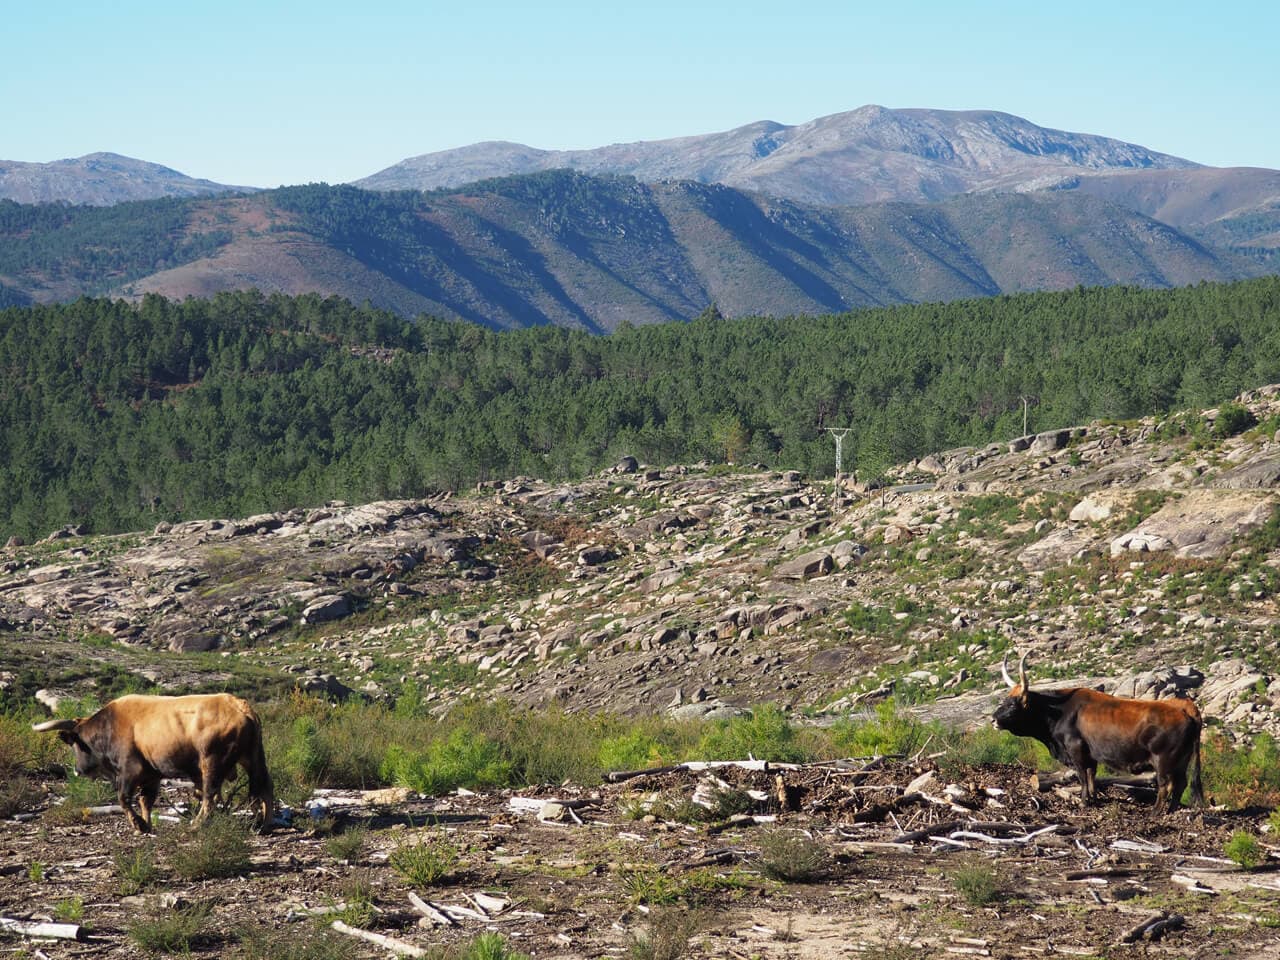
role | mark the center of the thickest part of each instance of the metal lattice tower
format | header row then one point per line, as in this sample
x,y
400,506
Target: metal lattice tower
x,y
839,433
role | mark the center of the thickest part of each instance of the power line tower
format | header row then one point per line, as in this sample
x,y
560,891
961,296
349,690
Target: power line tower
x,y
839,433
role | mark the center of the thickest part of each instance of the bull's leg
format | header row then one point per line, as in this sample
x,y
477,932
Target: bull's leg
x,y
124,793
210,787
147,798
1171,780
1090,785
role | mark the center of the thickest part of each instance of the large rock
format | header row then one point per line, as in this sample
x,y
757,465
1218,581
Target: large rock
x,y
1091,509
1199,525
1050,441
1230,683
816,563
1159,683
1060,547
325,609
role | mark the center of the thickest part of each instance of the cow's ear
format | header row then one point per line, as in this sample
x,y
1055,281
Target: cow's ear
x,y
1024,697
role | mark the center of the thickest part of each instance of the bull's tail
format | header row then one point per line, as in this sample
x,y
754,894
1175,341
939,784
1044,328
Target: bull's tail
x,y
261,789
1197,788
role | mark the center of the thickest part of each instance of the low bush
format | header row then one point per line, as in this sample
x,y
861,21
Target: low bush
x,y
426,861
792,856
1245,849
135,867
219,848
763,734
977,881
168,930
668,938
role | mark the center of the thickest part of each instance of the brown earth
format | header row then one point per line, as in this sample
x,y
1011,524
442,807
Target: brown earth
x,y
580,889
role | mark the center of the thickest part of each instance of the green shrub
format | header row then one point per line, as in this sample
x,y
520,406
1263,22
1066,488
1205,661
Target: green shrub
x,y
464,759
219,848
888,733
24,750
427,861
1245,849
1242,775
632,750
764,734
792,856
1233,418
491,946
347,844
70,910
668,936
977,881
136,867
296,942
172,931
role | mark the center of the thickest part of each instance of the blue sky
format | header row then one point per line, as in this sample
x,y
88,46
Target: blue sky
x,y
262,93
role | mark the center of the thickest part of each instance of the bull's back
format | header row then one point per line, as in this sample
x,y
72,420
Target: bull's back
x,y
1126,733
172,733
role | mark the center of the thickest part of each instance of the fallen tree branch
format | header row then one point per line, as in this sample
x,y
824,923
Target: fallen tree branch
x,y
428,910
54,931
398,947
1154,927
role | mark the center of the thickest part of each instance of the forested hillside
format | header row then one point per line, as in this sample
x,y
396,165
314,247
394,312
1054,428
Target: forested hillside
x,y
593,253
121,415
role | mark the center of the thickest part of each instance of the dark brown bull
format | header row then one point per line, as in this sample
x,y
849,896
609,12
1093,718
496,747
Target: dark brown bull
x,y
1083,727
135,741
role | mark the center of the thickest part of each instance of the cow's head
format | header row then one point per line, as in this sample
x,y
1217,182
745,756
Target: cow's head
x,y
1012,712
88,761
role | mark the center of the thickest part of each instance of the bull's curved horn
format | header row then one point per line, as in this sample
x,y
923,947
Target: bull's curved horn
x,y
50,726
1004,670
1022,675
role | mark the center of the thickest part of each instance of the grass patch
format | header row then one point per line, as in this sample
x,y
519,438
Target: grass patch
x,y
219,848
793,856
297,942
170,930
977,881
668,937
136,868
428,861
1242,775
1245,850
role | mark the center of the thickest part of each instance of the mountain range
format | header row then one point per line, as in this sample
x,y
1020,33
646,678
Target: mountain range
x,y
99,179
872,206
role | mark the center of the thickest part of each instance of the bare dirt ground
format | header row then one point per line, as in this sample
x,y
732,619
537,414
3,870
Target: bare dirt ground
x,y
1020,872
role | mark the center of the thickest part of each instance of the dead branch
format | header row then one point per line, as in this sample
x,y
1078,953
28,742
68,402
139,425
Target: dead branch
x,y
428,910
398,947
54,931
1154,927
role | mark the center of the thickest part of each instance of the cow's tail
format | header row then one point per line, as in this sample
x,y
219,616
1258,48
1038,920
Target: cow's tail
x,y
261,789
1197,788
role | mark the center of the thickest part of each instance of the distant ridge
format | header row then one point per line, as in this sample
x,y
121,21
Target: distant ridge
x,y
595,252
869,155
100,179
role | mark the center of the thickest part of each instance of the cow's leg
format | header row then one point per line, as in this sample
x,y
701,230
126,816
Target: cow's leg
x,y
1090,786
126,784
1171,780
147,797
210,787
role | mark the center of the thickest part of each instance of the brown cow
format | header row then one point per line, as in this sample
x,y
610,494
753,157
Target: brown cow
x,y
136,740
1083,727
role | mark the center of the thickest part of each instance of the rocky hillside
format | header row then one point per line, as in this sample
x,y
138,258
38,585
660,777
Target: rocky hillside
x,y
1140,555
99,179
